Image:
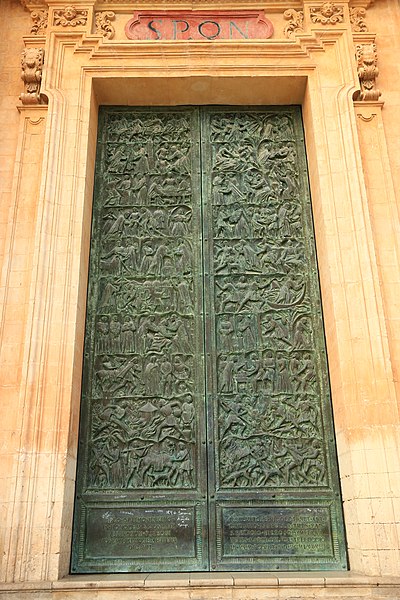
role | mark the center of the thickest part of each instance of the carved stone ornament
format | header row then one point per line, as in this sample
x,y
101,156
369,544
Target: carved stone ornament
x,y
327,14
40,20
357,19
295,25
31,75
103,24
368,71
70,17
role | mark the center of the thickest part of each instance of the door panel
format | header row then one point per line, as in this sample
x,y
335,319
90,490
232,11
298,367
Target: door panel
x,y
142,475
206,428
273,483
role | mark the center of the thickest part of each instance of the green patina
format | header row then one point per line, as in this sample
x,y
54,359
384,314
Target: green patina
x,y
206,437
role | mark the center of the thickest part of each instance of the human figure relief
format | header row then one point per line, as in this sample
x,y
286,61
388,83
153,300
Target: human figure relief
x,y
117,159
226,334
128,335
226,374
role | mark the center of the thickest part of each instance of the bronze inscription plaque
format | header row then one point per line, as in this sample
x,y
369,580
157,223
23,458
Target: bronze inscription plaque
x,y
276,531
141,532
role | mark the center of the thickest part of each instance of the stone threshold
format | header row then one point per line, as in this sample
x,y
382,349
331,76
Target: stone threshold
x,y
169,581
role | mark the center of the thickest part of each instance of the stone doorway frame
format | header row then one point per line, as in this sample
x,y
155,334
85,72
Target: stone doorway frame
x,y
316,70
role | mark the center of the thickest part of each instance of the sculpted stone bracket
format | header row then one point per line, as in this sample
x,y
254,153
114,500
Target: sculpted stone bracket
x,y
32,65
367,70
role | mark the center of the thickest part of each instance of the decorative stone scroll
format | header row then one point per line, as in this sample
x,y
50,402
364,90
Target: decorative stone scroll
x,y
199,25
70,16
368,71
357,19
40,20
327,14
295,25
31,75
103,24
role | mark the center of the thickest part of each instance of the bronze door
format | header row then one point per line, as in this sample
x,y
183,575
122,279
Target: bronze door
x,y
206,437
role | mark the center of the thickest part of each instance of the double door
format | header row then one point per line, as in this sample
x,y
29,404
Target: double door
x,y
206,438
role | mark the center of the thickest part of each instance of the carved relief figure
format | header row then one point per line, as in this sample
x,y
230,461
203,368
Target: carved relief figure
x,y
70,16
328,14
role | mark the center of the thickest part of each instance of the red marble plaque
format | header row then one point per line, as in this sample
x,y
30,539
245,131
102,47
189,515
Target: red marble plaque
x,y
199,25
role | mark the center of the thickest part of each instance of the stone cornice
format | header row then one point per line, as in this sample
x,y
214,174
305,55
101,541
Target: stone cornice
x,y
272,5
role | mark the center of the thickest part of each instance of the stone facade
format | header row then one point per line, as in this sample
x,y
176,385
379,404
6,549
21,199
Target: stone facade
x,y
58,64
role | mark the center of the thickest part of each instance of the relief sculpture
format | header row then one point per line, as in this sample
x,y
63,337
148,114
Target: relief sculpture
x,y
268,415
205,422
143,427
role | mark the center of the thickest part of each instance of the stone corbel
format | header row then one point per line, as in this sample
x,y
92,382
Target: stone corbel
x,y
32,65
367,70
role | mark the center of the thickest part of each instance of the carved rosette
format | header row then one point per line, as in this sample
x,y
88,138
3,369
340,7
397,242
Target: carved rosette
x,y
327,14
70,17
32,65
295,25
40,20
103,24
367,60
357,19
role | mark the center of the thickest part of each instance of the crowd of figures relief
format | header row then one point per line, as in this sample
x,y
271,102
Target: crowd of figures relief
x,y
265,292
143,417
146,390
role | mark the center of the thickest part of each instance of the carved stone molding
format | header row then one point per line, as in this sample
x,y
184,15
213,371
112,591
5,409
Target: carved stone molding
x,y
295,25
31,75
368,119
103,24
40,20
327,14
367,60
70,16
357,19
